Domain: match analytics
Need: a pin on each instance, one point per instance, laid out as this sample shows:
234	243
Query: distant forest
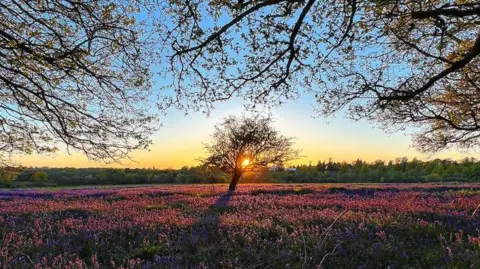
396	171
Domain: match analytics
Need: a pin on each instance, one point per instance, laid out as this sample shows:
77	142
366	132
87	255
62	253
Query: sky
179	142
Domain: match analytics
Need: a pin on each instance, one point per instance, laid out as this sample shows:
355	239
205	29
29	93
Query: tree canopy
243	143
78	72
396	62
73	72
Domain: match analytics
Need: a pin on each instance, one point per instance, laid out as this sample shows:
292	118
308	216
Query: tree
365	169
39	177
321	166
8	175
432	177
210	174
439	169
241	144
396	62
73	72
450	172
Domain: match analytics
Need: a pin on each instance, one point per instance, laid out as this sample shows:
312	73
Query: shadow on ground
213	213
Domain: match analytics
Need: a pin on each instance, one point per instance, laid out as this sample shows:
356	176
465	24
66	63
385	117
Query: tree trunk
235	178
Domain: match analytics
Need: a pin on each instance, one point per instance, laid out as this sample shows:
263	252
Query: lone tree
73	72
243	143
396	62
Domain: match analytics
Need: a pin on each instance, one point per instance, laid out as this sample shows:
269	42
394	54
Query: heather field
259	226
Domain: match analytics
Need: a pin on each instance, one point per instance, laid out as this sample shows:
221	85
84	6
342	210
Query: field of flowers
259	226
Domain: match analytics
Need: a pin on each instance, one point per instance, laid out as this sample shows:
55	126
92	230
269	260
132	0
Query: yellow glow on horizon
176	144
177	155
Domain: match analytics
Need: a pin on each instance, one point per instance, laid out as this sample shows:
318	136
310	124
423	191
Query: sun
245	162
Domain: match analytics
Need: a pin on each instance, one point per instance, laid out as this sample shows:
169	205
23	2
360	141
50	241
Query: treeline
112	176
396	171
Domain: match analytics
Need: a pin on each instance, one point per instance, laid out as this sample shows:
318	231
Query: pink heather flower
141	207
381	234
423	223
459	237
4	252
79	263
38	241
474	240
94	261
448	252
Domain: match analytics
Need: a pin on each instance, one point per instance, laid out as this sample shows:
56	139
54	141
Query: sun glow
245	162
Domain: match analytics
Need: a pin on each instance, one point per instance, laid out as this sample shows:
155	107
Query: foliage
7	176
263	226
399	170
39	177
74	73
242	144
396	63
432	177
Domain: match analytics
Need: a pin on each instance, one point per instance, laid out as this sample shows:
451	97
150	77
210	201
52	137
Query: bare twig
28	258
305	252
327	231
475	211
331	253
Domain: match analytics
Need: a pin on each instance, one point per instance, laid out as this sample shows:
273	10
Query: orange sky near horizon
186	155
179	142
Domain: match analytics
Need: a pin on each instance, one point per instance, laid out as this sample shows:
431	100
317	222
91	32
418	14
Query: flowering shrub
262	226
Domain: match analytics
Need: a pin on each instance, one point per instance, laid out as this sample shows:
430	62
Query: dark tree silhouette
397	62
244	143
73	72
